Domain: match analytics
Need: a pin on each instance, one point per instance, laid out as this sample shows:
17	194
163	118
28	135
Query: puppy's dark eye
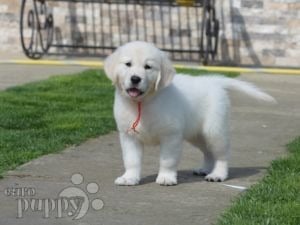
128	64
147	67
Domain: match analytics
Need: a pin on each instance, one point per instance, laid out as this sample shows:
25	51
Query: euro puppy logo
73	201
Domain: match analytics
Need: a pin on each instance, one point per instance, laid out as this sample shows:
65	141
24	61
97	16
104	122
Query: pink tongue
134	92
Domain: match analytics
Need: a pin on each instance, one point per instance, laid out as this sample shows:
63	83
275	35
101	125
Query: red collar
137	120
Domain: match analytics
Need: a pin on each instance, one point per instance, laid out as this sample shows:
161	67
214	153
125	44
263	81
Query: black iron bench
187	29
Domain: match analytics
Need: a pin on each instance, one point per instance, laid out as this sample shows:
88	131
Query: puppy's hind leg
216	134
218	145
208	162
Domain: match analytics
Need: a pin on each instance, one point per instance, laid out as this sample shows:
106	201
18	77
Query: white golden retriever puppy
155	106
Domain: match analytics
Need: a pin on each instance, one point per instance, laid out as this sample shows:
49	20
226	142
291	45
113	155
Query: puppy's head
139	69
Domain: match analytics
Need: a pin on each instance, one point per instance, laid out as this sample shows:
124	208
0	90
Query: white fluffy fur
174	109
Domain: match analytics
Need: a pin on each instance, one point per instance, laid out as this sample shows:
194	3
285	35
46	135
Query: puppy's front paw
166	179
127	180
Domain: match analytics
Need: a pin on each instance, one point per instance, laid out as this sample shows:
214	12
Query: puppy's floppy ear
166	74
110	64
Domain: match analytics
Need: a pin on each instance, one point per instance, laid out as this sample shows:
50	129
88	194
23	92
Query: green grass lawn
47	116
273	201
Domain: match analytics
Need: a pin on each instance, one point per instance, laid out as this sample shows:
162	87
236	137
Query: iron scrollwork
209	32
36	28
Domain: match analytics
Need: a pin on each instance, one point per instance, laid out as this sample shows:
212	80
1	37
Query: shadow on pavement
187	176
242	172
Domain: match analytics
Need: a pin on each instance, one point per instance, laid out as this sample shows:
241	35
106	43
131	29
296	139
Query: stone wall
9	26
253	32
260	32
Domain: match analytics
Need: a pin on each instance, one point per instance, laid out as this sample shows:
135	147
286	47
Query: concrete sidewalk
259	135
17	74
12	75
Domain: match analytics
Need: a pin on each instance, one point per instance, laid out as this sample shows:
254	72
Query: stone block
264	20
276	5
273	37
236	3
75	19
294	6
287	61
9	17
274	52
252	4
3	8
286	1
294	53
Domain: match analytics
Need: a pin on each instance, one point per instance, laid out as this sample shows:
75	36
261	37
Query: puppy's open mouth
134	92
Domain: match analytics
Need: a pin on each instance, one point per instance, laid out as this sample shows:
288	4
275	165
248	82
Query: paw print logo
78	202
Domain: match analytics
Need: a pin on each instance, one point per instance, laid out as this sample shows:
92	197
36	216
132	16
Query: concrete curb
99	64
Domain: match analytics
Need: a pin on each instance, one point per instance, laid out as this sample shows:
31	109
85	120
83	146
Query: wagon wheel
46	27
36	28
209	32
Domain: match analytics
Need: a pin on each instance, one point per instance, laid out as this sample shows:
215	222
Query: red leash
136	122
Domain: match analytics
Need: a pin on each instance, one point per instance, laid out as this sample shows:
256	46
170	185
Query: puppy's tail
248	89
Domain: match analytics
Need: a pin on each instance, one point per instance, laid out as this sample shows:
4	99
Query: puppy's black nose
135	79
